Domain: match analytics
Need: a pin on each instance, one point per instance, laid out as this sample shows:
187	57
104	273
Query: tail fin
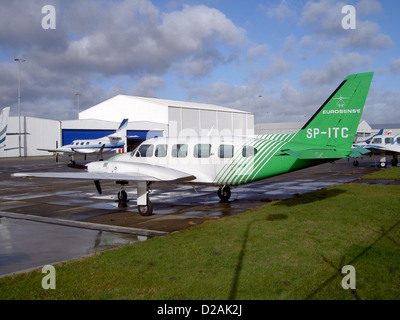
119	133
3	126
370	138
335	124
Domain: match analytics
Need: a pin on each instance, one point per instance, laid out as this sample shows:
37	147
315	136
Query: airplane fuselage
213	160
91	146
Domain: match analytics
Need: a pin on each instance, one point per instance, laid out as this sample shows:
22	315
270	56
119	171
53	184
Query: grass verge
392	173
292	249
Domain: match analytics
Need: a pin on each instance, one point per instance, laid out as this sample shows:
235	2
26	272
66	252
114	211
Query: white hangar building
148	118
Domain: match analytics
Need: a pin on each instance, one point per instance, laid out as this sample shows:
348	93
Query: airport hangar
148	118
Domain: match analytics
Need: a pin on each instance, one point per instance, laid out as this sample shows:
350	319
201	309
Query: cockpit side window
377	141
145	151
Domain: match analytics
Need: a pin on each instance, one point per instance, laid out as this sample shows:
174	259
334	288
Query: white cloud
281	11
257	51
107	40
147	86
325	19
336	69
395	65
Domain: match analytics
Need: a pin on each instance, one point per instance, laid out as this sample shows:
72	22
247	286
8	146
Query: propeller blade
98	187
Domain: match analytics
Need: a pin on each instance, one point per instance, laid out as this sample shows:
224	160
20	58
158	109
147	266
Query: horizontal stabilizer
358	152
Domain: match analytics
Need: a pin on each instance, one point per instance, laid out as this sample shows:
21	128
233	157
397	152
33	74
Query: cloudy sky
279	59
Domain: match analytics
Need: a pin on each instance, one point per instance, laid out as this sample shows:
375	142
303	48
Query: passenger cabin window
202	150
87	143
179	150
225	151
161	151
377	141
248	151
145	151
389	140
82	143
398	140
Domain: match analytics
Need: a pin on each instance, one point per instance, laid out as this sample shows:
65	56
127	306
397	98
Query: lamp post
77	101
19	60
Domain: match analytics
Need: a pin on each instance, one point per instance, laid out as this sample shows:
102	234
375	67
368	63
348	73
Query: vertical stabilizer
335	123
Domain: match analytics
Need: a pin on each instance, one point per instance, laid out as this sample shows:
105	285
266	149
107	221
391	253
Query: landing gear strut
122	195
145	207
224	193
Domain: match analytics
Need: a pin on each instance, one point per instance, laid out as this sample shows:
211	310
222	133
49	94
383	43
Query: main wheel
383	164
122	195
146	210
224	193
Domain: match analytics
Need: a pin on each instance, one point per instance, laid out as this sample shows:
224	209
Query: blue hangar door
134	137
69	135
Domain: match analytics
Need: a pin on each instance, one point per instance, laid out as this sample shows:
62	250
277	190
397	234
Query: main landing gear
145	207
224	193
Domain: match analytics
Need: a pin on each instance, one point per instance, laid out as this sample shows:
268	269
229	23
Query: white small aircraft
229	161
3	126
3	130
100	145
383	144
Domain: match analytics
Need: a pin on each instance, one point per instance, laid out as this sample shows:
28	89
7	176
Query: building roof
142	109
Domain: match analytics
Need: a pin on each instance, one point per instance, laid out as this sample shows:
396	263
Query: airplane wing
168	175
86	150
378	149
57	150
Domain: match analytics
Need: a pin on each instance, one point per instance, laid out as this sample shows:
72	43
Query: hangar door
136	137
69	135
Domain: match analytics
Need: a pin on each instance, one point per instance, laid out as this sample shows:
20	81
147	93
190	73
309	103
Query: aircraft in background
3	129
100	145
229	161
3	126
383	144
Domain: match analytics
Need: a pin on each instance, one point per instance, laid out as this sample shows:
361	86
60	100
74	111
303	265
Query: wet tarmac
45	221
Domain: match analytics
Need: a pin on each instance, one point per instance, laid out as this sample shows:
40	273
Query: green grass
392	173
291	249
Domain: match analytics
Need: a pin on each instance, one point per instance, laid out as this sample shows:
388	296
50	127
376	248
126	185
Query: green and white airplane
229	161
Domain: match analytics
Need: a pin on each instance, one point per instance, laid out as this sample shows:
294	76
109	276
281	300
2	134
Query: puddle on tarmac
28	244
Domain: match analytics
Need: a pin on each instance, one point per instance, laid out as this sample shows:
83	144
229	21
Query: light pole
77	101
19	101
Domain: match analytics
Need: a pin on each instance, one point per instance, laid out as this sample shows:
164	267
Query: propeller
98	187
